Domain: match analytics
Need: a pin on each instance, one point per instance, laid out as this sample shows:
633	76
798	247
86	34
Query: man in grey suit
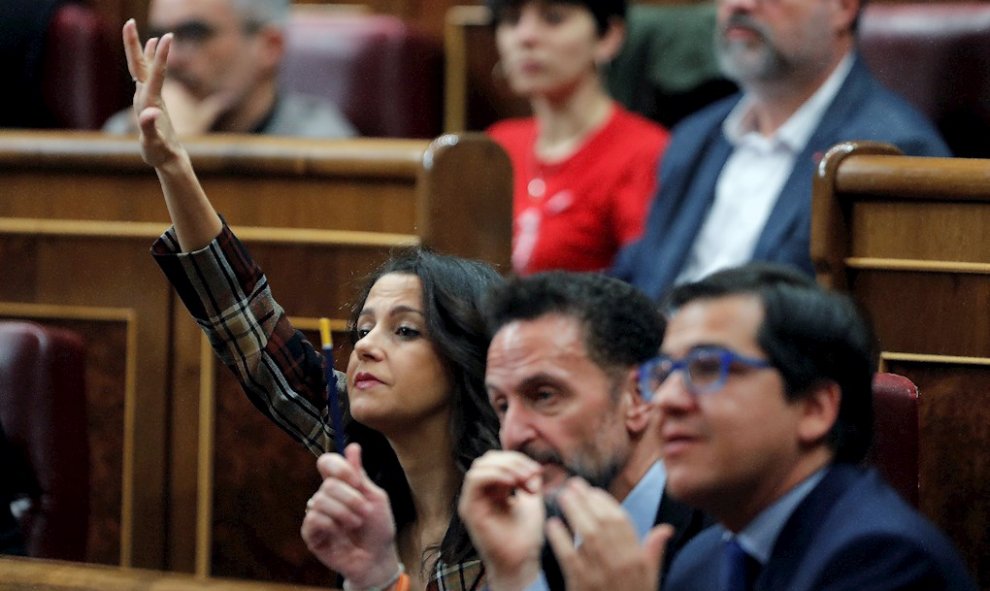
735	181
223	72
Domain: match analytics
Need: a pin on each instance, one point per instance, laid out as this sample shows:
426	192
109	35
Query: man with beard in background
735	184
223	73
562	377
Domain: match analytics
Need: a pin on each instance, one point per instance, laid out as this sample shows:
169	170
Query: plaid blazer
280	371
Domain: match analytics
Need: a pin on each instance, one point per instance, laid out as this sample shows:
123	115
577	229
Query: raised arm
222	287
196	222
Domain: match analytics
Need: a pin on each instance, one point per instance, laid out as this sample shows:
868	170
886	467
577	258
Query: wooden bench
907	236
187	474
27	573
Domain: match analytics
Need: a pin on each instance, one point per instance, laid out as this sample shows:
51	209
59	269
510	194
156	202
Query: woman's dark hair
453	292
810	335
603	10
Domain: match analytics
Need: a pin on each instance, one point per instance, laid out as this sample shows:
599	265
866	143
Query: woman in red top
585	168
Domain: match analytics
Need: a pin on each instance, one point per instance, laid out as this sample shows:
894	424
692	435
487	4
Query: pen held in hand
333	398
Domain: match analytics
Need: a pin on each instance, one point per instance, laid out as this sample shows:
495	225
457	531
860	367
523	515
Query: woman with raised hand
585	168
417	414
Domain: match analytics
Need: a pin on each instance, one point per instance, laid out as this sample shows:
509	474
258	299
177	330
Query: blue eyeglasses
706	369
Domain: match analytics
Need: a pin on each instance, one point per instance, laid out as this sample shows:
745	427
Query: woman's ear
610	42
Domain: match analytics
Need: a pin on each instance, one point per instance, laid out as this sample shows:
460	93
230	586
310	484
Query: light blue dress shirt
758	538
641	505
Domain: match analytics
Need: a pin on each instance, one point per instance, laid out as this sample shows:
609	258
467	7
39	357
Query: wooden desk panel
907	237
78	213
22	574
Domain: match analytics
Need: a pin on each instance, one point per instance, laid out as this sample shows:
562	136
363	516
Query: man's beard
600	476
744	62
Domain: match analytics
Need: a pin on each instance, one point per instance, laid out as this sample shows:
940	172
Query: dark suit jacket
687	523
851	533
862	110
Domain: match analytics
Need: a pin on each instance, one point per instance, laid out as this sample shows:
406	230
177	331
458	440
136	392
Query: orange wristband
403	583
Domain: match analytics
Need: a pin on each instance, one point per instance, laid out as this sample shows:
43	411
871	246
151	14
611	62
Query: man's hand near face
502	506
608	550
191	115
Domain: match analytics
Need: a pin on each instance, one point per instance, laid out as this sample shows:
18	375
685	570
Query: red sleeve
632	198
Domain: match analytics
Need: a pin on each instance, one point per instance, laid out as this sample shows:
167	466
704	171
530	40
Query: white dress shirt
752	178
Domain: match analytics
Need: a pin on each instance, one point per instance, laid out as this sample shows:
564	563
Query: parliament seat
895	433
906	237
81	84
43	415
61	66
384	75
937	56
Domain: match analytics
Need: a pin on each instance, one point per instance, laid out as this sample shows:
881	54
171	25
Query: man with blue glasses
764	389
705	369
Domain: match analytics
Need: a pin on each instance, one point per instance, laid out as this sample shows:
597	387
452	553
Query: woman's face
395	377
548	48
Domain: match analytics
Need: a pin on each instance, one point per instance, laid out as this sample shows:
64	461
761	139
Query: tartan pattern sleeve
464	576
229	297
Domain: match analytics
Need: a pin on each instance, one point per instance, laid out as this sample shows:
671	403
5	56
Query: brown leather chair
43	417
937	56
895	433
84	78
385	76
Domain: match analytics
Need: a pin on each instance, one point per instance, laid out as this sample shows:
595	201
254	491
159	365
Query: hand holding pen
334	411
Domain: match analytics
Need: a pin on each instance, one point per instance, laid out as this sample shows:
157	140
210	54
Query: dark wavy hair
603	10
622	327
810	335
453	291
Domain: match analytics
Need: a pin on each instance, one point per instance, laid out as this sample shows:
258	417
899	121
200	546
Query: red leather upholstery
937	56
895	433
384	76
82	77
43	414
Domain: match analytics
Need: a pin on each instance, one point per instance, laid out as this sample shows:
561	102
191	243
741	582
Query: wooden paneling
952	490
27	573
907	237
108	275
192	478
106	333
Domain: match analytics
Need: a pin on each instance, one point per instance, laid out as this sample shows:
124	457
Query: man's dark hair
810	335
622	327
603	10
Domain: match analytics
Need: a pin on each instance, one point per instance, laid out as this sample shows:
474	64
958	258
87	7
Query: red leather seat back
43	413
384	76
81	84
895	433
937	56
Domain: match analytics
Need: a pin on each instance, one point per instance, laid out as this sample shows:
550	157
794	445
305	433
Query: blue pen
333	399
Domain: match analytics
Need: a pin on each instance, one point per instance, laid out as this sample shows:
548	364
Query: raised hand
348	524
159	143
502	507
608	550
